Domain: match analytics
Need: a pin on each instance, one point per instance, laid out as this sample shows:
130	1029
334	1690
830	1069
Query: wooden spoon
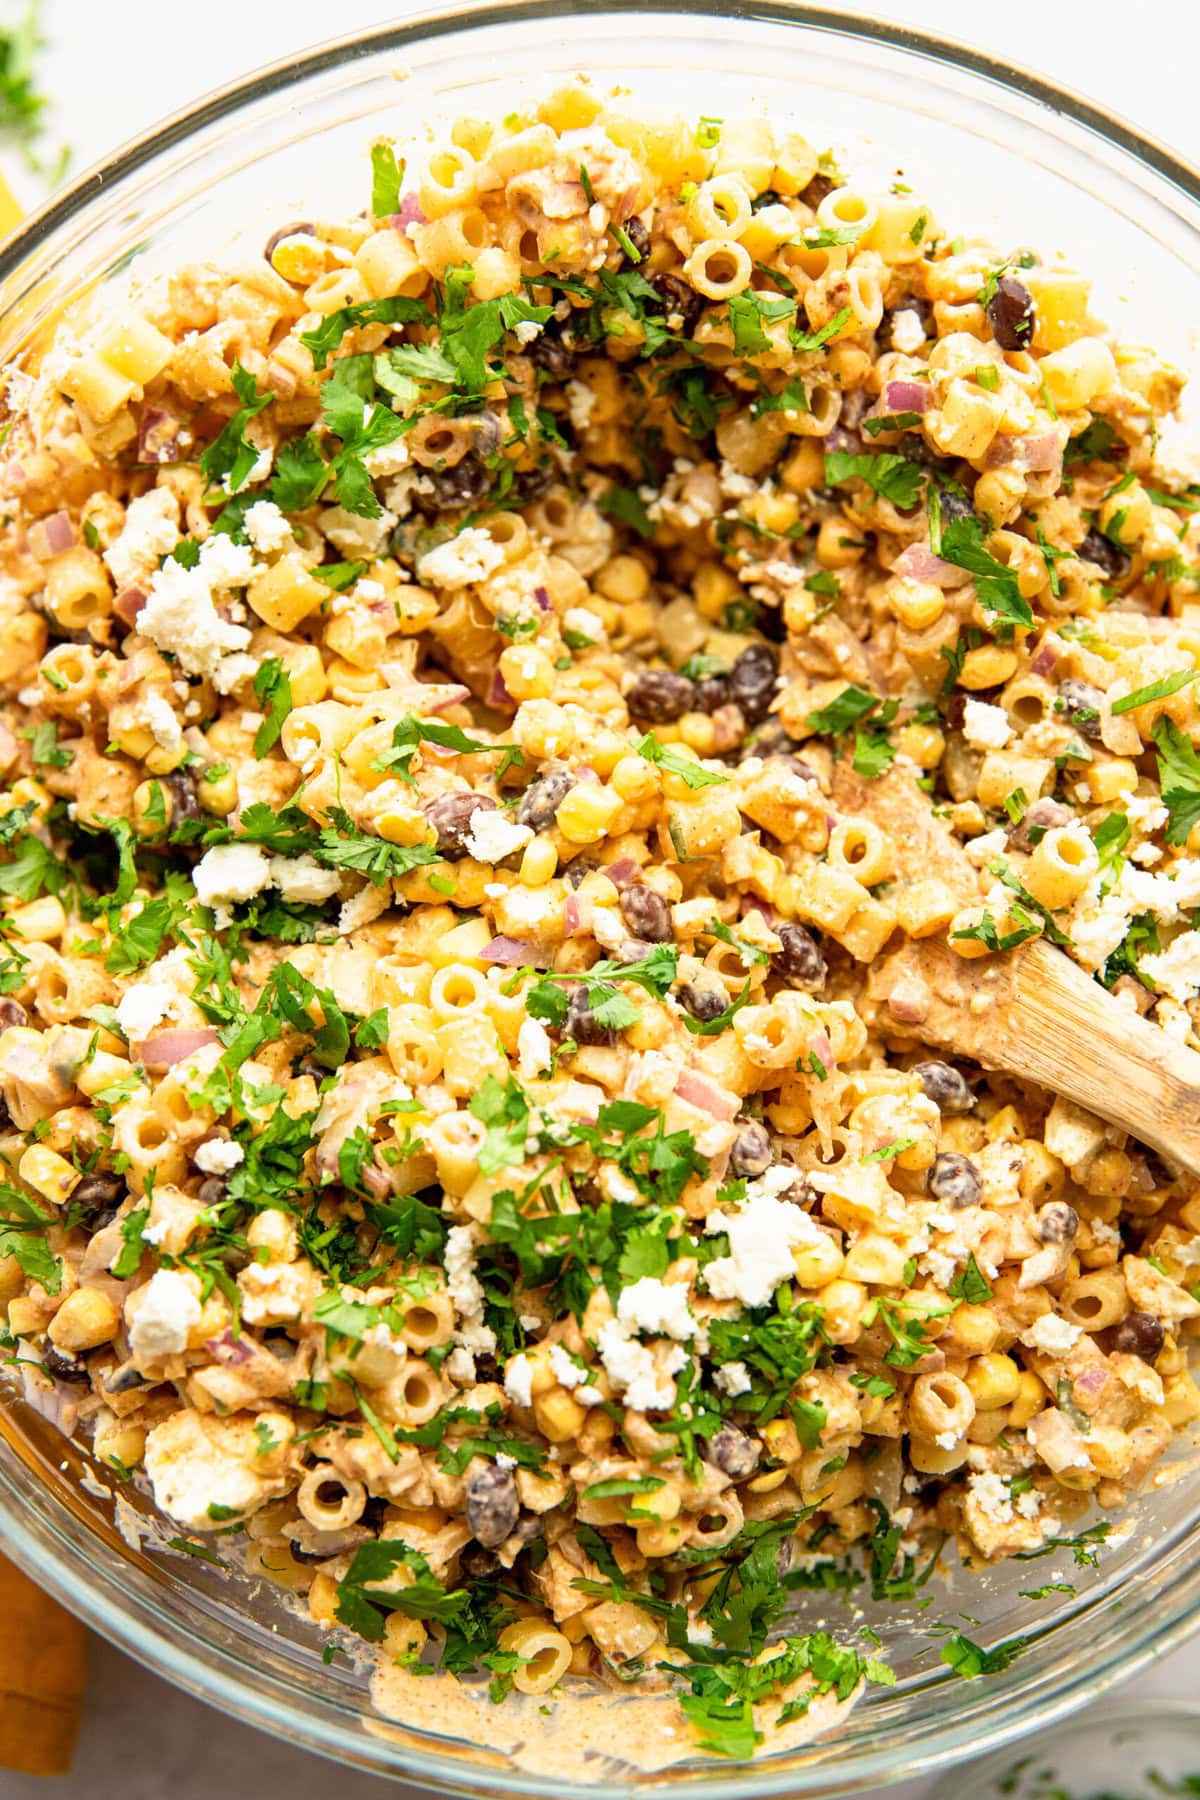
1030	1011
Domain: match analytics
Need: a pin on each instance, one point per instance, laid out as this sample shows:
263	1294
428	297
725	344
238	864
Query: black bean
542	799
887	325
451	816
213	1190
955	1179
711	692
1040	818
1057	1223
579	870
945	1086
1012	314
1139	1334
680	302
534	484
125	1379
639	237
477	1564
703	1003
1100	550
1082	703
955	506
817	189
64	1367
462	485
185	801
660	696
12	1013
581	1023
751	1153
554	349
303	229
769	740
647	914
734	1451
95	1193
492	1505
800	959
753	680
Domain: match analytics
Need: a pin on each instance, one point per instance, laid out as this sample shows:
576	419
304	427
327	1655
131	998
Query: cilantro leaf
885	472
272	689
970	1660
748	311
970	1284
387	178
1179	778
996	585
230	458
694	774
852	704
324	338
343	846
626	504
816	340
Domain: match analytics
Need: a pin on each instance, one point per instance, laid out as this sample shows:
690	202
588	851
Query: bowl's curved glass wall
995	156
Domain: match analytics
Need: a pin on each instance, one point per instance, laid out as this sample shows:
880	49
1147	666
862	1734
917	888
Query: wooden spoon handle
43	1670
1034	1013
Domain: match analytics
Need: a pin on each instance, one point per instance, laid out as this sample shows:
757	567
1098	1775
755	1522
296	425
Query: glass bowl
1141	1752
995	152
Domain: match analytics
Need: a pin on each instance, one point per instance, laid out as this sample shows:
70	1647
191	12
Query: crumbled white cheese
518	1380
1053	1335
492	837
657	1307
218	1156
268	528
150	530
180	616
762	1237
460	1366
535	1052
567	1371
908	333
169	1308
159	716
458	1260
991	1495
526	330
355	536
981	850
632	1367
389	459
985	727
732	1378
1029	1504
582	622
231	872
461	561
302	879
1175	971
581	403
143	1006
947	1440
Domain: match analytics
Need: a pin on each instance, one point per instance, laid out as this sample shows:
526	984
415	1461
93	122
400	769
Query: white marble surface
114	66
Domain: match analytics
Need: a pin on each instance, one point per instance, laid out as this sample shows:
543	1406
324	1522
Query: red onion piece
909	1000
1042	452
158	436
820	1047
918	563
230	1350
759	906
51	536
498	694
543	599
621	872
907	396
166	1048
704	1094
1091	1382
410	213
446	698
52	1399
377	1180
511	952
129	603
1045	660
577	916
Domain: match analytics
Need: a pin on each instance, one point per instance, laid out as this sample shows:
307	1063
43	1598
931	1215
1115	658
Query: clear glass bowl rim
55	1555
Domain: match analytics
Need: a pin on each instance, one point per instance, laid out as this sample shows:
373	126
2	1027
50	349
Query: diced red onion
932	1363
543	599
158	436
166	1048
704	1094
229	1350
626	205
909	1001
442	698
820	1047
498	694
51	536
410	213
377	1180
1042	452
621	872
577	916
512	952
907	396
1091	1381
53	1400
129	603
1046	660
759	906
918	563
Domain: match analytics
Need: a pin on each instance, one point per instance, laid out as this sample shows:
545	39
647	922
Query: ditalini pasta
453	1156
